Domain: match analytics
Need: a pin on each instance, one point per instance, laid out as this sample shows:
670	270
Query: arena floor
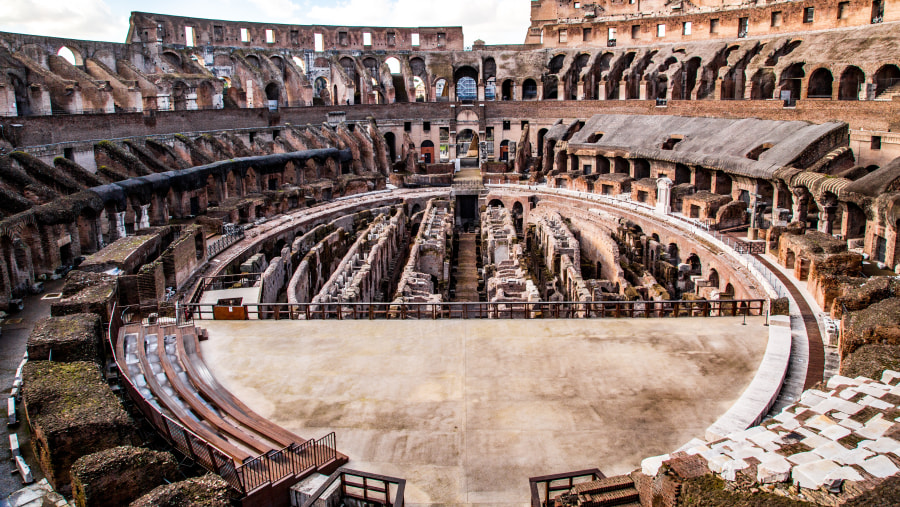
467	411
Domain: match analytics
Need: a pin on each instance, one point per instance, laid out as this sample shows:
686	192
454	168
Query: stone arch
791	79
694	261
71	55
466	79
685	83
391	141
853	81
20	90
556	63
421	92
820	84
529	89
173	59
762	85
641	168
713	278
442	90
506	90
205	93
273	92
253	60
496	203
540	141
885	77
393	65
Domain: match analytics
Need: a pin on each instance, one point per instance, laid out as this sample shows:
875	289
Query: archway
886	77
641	168
23	104
419	86
852	81
441	90
529	89
273	93
540	141
820	84
466	84
496	203
390	140
467	144
518	214
489	74
713	278
70	55
427	151
762	85
504	150
791	79
506	91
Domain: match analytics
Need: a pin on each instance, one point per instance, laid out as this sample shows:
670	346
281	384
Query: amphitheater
648	257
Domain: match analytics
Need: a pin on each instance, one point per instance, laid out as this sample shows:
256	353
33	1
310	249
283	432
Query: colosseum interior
647	257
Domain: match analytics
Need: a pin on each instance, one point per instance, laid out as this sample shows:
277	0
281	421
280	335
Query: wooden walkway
467	269
815	371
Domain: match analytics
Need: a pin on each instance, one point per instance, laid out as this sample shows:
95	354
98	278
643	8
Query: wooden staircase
618	490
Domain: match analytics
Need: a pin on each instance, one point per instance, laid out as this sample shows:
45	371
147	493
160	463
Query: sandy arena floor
467	411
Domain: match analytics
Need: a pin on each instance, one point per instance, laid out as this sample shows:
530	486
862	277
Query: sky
494	21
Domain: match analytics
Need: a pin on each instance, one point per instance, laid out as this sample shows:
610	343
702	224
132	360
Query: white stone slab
717	463
810	398
731	468
874	390
882	445
844	474
815	441
763	437
812	475
874	402
889	376
879	466
839	380
831	450
819	422
851	424
835	432
875	428
773	469
803	457
848	393
854	456
649	466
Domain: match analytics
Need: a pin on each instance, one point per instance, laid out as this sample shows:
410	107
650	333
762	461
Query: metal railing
544	486
217	246
271	467
371	489
488	310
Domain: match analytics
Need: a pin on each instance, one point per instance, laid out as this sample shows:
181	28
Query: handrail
270	467
371	494
549	488
486	310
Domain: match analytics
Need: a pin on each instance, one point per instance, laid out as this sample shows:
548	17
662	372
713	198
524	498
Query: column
623	89
145	217
561	90
580	94
664	196
120	225
800	204
601	90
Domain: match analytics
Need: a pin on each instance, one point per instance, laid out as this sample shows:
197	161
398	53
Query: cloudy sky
494	21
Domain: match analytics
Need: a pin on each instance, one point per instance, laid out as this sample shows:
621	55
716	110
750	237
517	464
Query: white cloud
83	19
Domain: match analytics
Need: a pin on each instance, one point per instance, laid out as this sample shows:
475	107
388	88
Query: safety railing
273	466
544	487
485	310
370	489
217	246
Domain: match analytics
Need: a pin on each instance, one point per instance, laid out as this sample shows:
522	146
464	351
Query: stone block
717	463
830	450
881	445
840	380
209	490
731	468
119	475
874	402
773	469
813	474
835	432
880	466
72	412
875	427
802	458
76	337
890	377
649	466
854	456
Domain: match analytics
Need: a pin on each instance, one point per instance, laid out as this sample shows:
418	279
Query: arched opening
253	60
321	96
173	60
853	80
495	203
179	96
466	84
70	55
762	85
621	166
23	104
390	140
467	144
205	93
441	90
886	77
506	91
687	79
728	293
489	74
602	165
791	79
272	92
400	94
299	63
504	150
641	168
694	261
540	141
518	212
393	65
673	253
427	151
421	93
820	84
529	89
682	174
713	279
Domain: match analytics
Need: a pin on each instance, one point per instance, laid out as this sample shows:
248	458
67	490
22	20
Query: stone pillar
540	90
145	217
664	196
120	225
644	89
163	102
826	224
717	91
481	90
800	204
561	90
580	94
623	89
601	90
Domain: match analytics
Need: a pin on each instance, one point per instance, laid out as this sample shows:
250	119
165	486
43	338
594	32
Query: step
609	498
602	485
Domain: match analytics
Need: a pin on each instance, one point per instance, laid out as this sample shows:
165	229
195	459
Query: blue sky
494	21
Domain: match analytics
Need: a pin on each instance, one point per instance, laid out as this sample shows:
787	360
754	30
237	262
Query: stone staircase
618	490
889	92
